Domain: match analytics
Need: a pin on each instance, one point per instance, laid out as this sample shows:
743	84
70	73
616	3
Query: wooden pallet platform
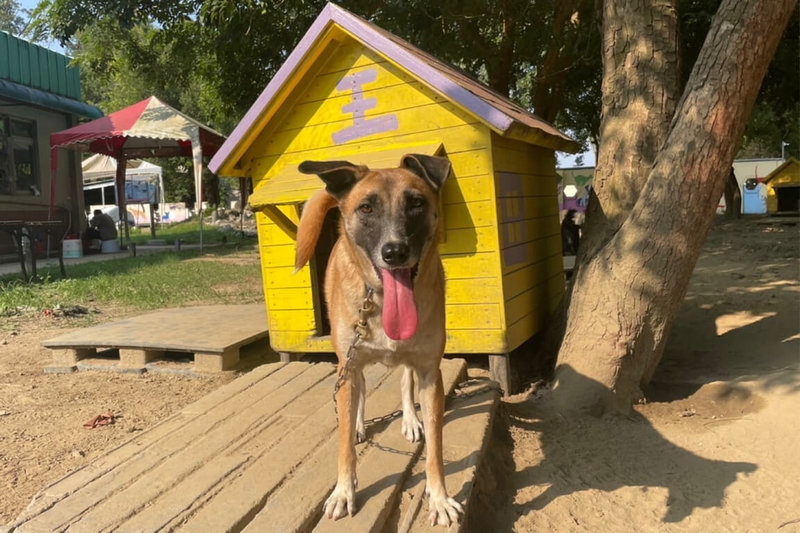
259	454
211	334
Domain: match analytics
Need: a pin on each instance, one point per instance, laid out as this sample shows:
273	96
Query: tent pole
197	164
122	163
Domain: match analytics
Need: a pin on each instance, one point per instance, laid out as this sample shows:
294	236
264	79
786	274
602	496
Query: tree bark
733	197
640	90
634	274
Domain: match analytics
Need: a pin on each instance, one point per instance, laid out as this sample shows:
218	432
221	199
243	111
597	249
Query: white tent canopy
100	167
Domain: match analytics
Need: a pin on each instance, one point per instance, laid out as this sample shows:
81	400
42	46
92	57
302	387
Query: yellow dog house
783	188
352	91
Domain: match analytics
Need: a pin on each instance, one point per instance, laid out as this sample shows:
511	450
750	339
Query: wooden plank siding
529	233
303	128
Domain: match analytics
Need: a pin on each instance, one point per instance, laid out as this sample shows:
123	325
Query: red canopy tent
149	128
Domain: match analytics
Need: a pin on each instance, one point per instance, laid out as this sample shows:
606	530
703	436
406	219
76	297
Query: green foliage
11	20
144	282
188	232
212	58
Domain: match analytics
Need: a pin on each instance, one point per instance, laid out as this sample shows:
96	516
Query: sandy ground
716	446
42	437
714	449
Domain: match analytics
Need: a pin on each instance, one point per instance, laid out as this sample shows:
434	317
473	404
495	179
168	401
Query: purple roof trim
496	110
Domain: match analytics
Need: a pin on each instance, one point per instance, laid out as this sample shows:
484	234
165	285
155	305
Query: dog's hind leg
361	431
443	509
342	500
412	427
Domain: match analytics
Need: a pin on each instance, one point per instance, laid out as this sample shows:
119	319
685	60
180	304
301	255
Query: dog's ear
434	170
339	176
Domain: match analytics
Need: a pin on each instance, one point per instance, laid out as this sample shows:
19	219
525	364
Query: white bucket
110	246
73	248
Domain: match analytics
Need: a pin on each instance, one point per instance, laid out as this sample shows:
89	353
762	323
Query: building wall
530	236
68	198
320	121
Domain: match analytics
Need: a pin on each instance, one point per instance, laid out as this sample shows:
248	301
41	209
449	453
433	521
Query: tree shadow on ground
585	453
740	319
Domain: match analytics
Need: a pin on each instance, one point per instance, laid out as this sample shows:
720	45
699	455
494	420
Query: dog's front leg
342	499
443	509
361	430
412	427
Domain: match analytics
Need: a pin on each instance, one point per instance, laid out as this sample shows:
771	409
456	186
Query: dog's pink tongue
399	309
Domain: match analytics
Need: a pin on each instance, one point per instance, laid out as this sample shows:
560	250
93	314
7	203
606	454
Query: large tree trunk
640	91
634	271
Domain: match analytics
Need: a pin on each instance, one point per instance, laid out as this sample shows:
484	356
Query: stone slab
204	329
298	505
467	431
258	454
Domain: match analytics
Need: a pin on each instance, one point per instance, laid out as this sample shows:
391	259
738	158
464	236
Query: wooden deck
211	334
259	454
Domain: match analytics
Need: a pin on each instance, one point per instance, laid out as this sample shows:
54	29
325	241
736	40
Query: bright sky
30	5
565	160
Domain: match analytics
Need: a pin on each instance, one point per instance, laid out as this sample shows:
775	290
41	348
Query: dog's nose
394	253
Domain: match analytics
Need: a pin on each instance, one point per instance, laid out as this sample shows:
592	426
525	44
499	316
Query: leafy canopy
211	58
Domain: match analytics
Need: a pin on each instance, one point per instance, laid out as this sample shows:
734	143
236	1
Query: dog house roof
779	171
496	111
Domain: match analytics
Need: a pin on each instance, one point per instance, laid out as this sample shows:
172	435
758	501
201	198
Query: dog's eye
416	202
365	209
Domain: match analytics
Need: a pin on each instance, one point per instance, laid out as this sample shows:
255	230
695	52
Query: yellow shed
352	91
783	188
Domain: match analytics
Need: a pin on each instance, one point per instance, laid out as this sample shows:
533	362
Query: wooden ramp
211	334
259	454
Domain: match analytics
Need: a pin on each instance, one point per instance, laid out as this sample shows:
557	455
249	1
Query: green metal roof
45	73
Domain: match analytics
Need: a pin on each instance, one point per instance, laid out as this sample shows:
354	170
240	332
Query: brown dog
388	242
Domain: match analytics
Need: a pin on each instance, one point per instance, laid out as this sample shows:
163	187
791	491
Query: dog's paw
412	428
361	433
341	502
444	511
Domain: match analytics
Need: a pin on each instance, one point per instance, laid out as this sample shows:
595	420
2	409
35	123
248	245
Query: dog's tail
311	225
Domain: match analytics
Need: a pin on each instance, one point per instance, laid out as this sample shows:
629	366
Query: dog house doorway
319	265
788	199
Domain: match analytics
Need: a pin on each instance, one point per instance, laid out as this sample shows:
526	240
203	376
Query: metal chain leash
455	395
361	330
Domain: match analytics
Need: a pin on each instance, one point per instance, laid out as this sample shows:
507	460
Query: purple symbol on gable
362	126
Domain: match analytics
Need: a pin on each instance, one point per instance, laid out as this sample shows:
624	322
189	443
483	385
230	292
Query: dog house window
19	174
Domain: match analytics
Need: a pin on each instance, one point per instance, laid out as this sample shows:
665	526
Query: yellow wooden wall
530	237
788	177
302	129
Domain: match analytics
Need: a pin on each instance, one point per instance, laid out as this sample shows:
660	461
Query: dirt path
41	415
716	447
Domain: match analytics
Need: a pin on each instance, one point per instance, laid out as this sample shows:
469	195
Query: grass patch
188	232
144	282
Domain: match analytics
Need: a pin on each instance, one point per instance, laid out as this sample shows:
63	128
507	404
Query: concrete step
259	454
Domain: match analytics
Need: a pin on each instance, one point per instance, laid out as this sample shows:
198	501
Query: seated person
570	234
102	227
